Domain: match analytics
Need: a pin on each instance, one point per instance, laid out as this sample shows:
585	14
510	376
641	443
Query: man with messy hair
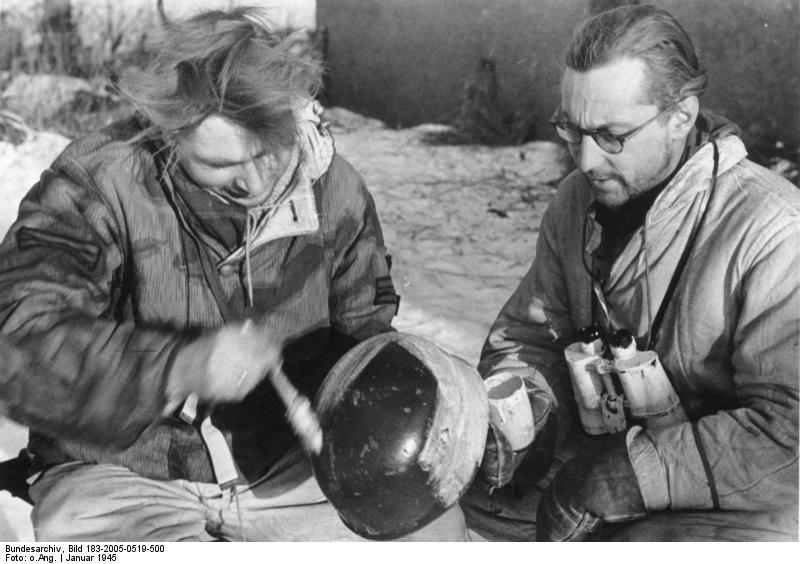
163	266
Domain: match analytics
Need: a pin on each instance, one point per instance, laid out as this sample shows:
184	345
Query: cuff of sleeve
189	359
650	473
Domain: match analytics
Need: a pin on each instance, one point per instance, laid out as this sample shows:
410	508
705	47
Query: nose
587	154
250	179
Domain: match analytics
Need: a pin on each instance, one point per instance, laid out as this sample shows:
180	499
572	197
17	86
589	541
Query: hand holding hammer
238	358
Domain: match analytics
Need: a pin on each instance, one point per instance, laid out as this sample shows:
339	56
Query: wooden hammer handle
298	412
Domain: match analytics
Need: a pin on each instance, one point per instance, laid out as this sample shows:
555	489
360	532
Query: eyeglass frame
594	133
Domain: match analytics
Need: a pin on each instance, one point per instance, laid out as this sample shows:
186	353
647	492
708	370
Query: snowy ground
460	222
20	166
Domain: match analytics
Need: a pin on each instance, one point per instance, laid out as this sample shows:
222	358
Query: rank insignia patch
385	293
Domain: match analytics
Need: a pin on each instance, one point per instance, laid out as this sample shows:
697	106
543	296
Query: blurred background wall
412	61
60	59
409	61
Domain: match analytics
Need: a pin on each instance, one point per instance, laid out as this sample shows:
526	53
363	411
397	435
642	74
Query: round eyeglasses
611	143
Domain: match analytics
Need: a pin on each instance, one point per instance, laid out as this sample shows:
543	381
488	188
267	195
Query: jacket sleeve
534	325
363	300
746	458
62	269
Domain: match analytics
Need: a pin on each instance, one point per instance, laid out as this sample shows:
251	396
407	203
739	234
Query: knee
450	526
52	520
60	498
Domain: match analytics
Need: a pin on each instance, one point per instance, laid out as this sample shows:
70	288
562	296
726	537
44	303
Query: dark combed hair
229	63
646	33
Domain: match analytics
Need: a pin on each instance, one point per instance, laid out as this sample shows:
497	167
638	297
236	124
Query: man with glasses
665	230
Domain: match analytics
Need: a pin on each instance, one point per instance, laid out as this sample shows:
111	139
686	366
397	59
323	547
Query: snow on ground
20	168
459	221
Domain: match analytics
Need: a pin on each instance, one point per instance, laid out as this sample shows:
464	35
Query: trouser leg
695	526
98	502
509	513
104	502
288	505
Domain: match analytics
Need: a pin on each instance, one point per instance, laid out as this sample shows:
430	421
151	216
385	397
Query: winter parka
730	336
105	271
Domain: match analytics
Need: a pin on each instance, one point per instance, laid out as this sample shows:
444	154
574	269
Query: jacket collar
691	179
293	211
695	175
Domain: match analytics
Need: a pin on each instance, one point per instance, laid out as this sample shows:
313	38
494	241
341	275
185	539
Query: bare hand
225	366
240	358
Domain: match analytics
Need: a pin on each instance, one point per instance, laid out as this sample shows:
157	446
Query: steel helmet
404	427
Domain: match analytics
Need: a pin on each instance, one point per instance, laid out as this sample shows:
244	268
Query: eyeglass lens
571	134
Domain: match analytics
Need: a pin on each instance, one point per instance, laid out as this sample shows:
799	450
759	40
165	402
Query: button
227	270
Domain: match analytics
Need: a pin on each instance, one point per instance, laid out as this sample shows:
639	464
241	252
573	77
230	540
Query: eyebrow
222	163
604	127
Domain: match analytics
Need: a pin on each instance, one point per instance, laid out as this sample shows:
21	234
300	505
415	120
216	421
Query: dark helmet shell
404	427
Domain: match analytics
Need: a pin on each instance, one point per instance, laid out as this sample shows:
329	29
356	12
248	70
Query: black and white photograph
418	271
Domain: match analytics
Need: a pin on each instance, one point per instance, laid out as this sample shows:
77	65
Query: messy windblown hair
228	63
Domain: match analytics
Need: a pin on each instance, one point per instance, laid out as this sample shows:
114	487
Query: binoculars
616	385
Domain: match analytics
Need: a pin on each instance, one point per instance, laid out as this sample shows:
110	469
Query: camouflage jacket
106	273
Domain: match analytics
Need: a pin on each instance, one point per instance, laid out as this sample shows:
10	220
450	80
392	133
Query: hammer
299	413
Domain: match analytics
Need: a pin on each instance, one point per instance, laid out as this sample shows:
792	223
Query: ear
683	119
